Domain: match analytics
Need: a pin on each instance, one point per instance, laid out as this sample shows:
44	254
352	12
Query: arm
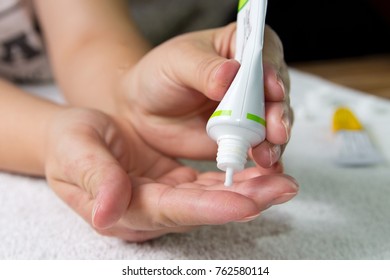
23	125
92	43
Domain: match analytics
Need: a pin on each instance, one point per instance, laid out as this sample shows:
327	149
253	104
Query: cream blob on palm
238	123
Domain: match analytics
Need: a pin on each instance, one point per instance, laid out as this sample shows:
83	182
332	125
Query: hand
101	168
171	93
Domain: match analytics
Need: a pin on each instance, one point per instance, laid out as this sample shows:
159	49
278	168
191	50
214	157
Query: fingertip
112	201
102	218
223	77
269	190
96	216
199	207
267	154
278	116
290	190
274	86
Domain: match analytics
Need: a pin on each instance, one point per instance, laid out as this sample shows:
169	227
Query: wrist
48	127
91	75
23	126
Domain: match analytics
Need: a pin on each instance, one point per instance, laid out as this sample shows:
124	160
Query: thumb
99	175
214	77
93	181
97	171
83	168
113	195
202	68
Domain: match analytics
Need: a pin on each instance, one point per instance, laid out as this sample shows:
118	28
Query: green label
249	116
255	118
241	4
221	113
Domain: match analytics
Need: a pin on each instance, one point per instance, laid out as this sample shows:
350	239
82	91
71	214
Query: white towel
340	213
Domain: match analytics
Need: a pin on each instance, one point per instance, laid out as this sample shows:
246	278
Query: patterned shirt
22	53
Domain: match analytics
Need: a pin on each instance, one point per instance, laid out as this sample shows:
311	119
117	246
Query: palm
178	199
137	193
169	197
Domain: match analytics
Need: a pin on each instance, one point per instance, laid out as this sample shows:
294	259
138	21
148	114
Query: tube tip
229	176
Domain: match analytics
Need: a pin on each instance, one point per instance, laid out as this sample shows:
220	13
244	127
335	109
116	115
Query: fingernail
94	211
283	198
274	154
249	218
286	123
281	84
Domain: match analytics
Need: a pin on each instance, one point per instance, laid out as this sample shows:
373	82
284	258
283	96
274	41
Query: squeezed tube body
238	123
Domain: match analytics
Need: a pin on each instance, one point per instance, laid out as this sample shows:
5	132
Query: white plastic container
238	123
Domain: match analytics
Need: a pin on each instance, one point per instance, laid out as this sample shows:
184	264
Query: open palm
125	188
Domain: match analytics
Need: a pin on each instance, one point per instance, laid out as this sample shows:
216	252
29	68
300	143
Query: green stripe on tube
255	118
221	113
241	4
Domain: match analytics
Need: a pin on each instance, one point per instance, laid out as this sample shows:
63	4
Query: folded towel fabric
340	213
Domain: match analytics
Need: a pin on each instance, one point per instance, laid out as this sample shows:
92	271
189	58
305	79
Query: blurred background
344	41
329	29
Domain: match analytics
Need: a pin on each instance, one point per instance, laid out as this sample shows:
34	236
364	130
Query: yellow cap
344	119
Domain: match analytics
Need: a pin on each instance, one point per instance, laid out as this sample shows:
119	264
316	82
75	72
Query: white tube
238	123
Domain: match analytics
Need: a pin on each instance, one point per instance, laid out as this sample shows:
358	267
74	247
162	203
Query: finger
101	190
213	75
278	116
92	169
279	123
264	190
124	233
273	58
82	203
267	155
157	206
76	198
274	89
268	190
113	196
203	68
205	207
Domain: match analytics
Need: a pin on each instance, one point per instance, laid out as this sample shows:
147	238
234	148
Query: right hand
172	91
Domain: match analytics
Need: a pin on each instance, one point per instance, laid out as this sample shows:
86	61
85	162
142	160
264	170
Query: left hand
101	168
171	93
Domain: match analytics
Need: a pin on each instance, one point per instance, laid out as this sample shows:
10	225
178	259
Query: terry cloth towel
339	213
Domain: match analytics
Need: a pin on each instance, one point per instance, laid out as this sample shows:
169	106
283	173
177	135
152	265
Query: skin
189	99
189	72
160	196
100	154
